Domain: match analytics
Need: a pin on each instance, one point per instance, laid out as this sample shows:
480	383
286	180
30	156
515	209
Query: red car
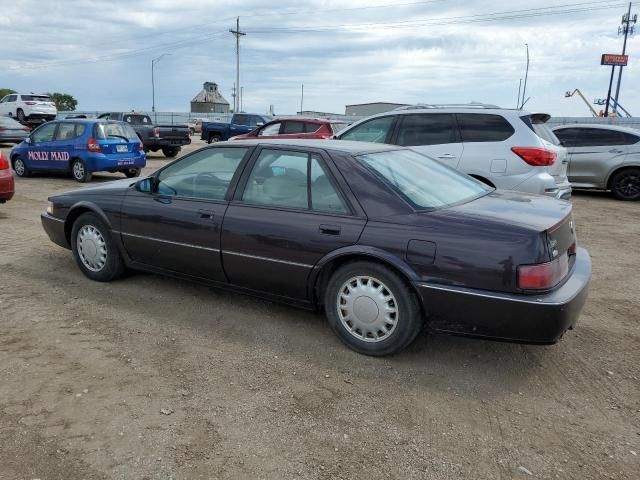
7	185
316	128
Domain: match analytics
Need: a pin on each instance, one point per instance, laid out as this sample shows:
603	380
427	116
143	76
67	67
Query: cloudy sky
345	52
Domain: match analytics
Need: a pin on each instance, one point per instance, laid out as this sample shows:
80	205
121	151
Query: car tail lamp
140	147
543	276
538	157
2	129
4	163
156	132
93	146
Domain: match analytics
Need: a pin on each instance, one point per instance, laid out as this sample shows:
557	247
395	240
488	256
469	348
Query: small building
209	100
314	114
366	109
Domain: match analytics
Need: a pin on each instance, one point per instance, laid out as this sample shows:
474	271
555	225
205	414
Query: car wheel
94	250
372	309
132	172
170	152
20	115
79	171
20	168
214	138
192	131
625	185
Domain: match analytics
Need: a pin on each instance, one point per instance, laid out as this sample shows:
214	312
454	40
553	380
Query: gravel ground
155	378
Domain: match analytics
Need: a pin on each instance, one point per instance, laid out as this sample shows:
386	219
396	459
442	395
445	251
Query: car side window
66	131
293	128
44	133
293	180
427	129
12	98
270	130
255	120
567	136
311	127
206	174
483	127
376	130
241	119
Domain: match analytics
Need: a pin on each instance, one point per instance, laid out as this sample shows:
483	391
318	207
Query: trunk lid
538	123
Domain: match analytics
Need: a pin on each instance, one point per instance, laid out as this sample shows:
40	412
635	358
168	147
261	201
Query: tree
5	91
64	102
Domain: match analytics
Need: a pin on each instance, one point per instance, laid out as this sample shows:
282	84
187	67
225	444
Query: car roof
600	126
345	146
307	119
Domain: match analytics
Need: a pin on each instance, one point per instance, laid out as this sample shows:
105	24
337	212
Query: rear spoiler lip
545	117
560	223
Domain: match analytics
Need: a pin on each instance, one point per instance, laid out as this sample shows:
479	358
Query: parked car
240	123
168	138
12	131
507	149
317	128
80	147
7	184
28	107
195	125
381	237
603	157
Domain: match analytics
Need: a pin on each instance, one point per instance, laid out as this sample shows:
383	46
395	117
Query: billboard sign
613	59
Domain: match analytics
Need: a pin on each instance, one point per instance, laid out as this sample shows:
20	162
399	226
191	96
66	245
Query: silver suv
507	149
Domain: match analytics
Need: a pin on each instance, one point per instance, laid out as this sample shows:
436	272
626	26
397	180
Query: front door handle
446	155
330	229
615	150
206	214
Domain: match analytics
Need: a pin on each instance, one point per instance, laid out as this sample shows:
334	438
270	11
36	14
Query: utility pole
526	75
237	33
153	83
242	99
301	98
519	89
626	28
606	108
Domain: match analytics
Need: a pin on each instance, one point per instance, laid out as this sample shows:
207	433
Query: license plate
122	148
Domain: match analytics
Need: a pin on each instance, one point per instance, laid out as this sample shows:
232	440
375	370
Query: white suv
507	149
28	107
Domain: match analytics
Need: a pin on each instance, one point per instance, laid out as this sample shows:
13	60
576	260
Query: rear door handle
446	155
206	214
330	229
615	150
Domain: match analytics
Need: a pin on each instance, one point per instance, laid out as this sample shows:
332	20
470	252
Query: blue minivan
80	147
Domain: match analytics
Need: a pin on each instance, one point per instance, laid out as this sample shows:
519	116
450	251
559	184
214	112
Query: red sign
613	59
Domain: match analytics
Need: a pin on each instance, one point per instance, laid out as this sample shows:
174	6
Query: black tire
170	152
79	171
132	172
408	316
214	137
192	131
21	171
625	184
20	115
112	266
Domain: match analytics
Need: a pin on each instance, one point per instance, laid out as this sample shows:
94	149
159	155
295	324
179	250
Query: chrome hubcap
18	166
78	170
367	309
92	248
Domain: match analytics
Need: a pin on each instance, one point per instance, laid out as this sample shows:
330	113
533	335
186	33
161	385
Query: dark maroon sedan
383	238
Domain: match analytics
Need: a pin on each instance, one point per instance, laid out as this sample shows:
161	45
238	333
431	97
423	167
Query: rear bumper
55	229
540	319
7	185
103	162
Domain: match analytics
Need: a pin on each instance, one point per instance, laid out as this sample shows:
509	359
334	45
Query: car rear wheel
170	152
94	250
214	138
20	168
20	115
192	131
79	171
132	172
372	309
625	185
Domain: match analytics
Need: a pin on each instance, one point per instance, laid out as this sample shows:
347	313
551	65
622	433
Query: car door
288	212
175	225
41	147
593	153
271	130
433	134
63	144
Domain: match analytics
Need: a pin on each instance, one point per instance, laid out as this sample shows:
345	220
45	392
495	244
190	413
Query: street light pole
153	84
526	75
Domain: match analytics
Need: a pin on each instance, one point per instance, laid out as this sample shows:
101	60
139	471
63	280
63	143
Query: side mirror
145	185
27	140
259	124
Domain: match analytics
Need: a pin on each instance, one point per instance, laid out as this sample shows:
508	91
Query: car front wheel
214	138
625	185
93	249
372	309
20	168
79	171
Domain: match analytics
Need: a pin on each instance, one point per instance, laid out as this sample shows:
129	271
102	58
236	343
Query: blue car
80	147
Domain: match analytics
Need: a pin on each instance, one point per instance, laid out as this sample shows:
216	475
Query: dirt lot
155	378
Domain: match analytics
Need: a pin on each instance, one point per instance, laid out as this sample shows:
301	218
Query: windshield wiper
119	136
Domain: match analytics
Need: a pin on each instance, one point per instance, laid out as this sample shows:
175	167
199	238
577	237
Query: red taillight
156	132
140	147
93	146
544	275
538	157
2	129
4	163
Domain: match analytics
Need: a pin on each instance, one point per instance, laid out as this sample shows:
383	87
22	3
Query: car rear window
106	130
137	119
35	98
541	129
483	127
423	182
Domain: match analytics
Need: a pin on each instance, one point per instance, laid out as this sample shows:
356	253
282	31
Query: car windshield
422	181
7	122
35	98
106	130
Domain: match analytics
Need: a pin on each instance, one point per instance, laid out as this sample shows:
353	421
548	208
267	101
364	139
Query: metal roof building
366	109
209	100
